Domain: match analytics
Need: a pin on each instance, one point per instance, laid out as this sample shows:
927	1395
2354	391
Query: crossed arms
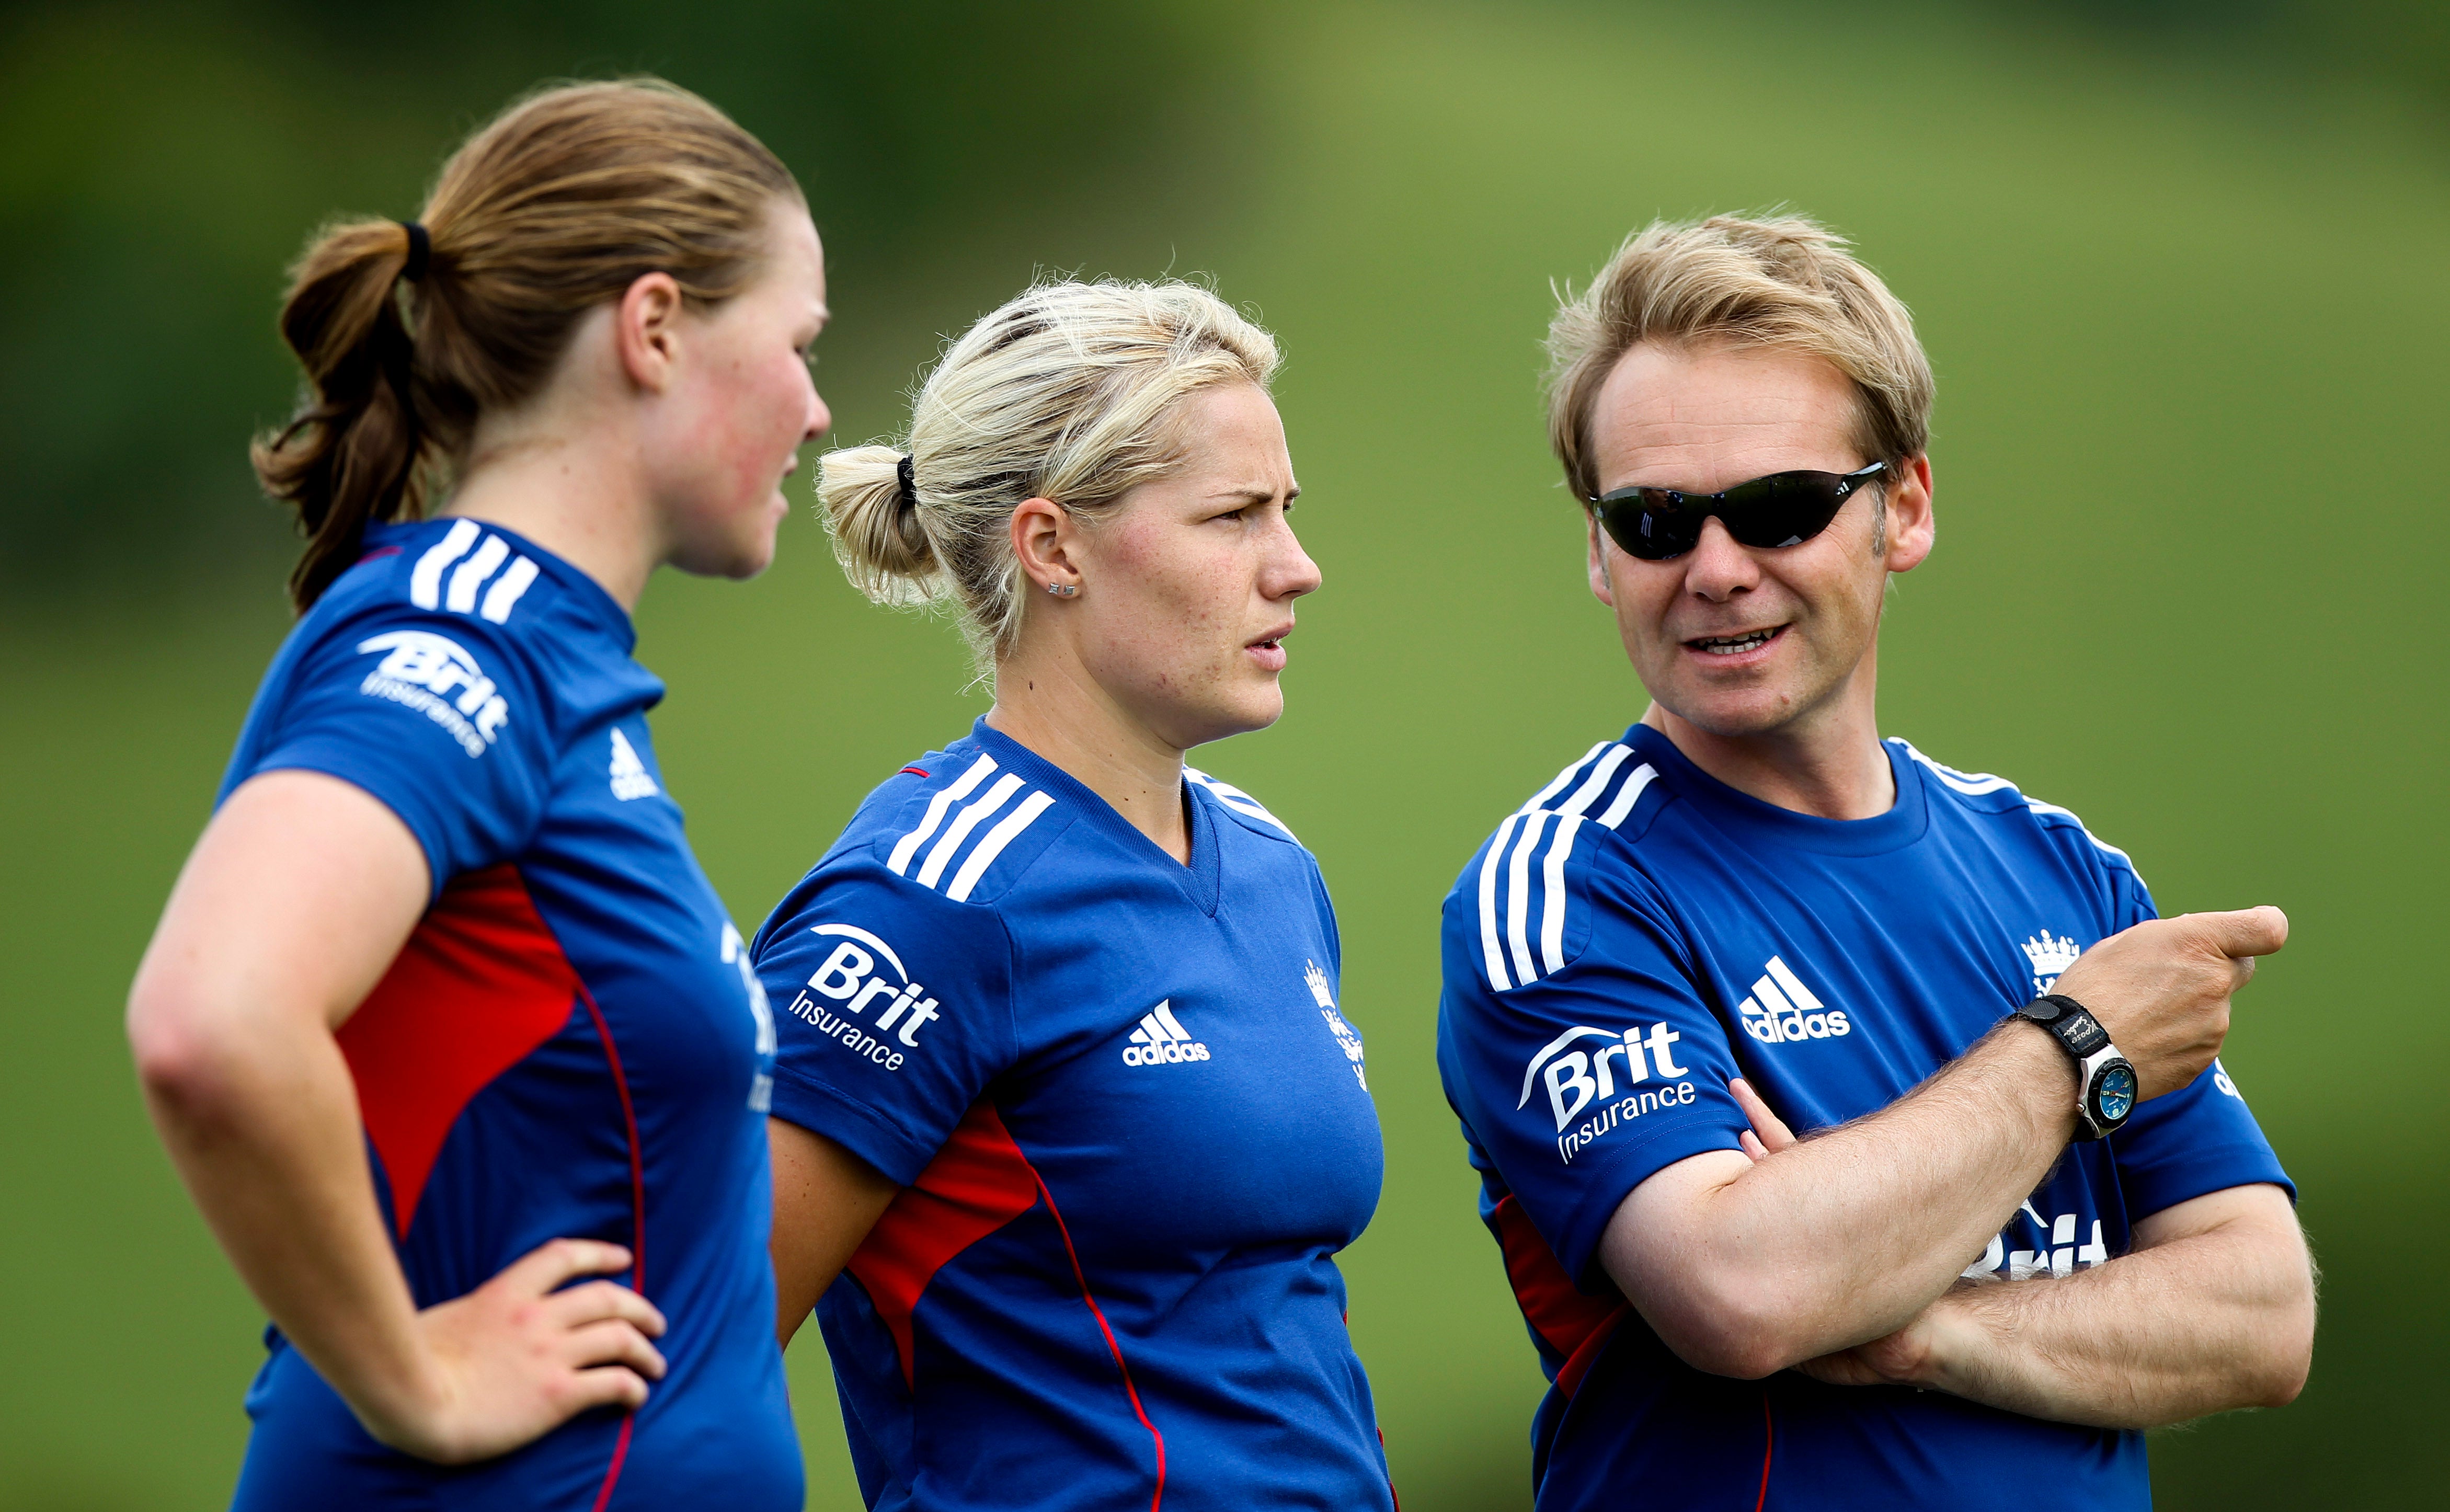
1841	1256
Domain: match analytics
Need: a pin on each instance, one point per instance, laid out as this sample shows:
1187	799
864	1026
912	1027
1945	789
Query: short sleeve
1580	1084
443	718
893	1009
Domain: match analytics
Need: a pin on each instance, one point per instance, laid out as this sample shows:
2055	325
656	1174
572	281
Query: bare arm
292	906
1746	1266
825	1201
2213	1310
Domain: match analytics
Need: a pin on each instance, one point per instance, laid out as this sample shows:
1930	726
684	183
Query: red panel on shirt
480	984
978	1183
1570	1320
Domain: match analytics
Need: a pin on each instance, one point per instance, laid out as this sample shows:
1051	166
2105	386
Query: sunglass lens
1653	532
1784	509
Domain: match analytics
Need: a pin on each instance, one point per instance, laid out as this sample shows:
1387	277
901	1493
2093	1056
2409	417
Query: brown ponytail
562	202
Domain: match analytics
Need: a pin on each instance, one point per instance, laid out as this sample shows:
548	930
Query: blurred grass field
2188	313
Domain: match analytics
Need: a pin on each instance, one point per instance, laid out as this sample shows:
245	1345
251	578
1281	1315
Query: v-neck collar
1200	878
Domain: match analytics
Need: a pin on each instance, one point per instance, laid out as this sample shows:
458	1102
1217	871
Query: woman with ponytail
1068	1126
442	1025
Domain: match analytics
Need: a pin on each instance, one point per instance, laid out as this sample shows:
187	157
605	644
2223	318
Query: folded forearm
2206	1323
1848	1235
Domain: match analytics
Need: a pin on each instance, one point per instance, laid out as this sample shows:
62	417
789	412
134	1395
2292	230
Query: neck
574	491
1051	707
1827	762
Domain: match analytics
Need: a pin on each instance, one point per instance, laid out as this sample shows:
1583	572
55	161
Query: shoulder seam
1978	785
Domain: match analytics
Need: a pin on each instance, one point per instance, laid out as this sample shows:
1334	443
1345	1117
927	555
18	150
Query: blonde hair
1787	283
561	203
1070	392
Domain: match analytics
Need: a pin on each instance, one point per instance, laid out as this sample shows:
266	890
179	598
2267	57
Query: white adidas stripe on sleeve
899	864
996	797
471	574
504	595
425	579
1973	785
996	839
1238	800
1490	955
1522	884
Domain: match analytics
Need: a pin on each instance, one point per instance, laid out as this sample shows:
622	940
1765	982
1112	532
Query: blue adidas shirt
1133	1128
1637	935
572	1043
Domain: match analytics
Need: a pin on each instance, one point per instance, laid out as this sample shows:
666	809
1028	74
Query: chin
1755	711
1238	716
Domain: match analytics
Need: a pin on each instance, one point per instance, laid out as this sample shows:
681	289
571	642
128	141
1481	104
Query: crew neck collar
1742	815
1199	879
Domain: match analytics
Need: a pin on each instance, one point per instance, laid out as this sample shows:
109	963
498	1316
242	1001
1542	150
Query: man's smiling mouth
1736	645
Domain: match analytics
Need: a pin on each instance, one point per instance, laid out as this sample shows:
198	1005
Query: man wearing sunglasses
2030	1215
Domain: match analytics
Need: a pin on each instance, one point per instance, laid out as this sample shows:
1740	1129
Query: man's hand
2161	989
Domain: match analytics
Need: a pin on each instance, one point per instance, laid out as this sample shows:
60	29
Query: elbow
185	1070
1728	1334
2290	1357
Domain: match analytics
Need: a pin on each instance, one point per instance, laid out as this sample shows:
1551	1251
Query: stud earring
1064	590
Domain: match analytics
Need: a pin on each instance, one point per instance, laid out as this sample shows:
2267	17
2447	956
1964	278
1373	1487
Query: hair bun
871	509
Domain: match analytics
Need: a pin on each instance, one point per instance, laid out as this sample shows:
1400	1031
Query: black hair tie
909	489
420	251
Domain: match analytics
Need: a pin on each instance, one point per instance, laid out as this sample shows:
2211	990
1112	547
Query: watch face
2114	1094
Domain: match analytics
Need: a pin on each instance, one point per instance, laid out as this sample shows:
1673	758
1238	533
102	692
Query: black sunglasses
1784	509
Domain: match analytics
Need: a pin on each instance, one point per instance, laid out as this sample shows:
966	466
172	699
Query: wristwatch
2106	1083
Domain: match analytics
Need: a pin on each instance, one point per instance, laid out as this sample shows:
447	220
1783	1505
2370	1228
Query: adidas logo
630	776
1782	1010
1161	1040
2050	956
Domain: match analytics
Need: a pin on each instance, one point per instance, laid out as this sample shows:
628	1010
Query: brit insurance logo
2049	956
862	973
2060	1247
435	675
1347	1037
1782	1010
1161	1040
1580	1068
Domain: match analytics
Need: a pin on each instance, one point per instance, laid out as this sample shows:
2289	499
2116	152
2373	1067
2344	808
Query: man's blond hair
1787	285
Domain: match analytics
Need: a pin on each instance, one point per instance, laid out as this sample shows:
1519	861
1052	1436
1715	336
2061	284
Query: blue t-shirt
572	1043
1132	1129
1639	934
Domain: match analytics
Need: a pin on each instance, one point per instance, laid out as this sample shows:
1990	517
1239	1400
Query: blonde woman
1069	1126
442	1019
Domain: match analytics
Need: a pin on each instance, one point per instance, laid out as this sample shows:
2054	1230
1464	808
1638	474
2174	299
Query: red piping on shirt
1769	1431
915	771
1112	1346
637	1222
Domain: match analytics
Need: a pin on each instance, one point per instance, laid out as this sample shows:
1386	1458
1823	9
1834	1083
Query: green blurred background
2180	267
